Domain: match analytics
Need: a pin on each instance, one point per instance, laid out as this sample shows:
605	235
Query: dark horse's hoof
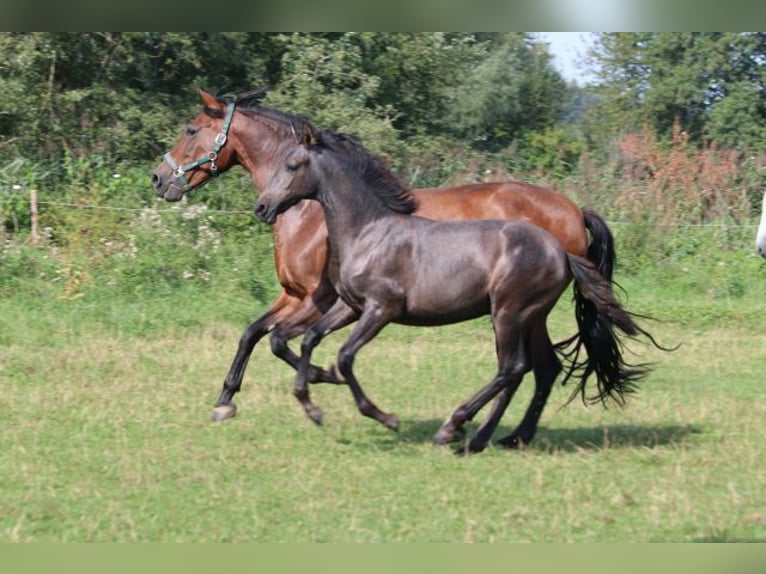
512	441
443	436
315	414
223	412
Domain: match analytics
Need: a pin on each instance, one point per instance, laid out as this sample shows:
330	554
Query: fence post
33	212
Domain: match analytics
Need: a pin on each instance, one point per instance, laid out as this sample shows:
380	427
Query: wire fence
180	210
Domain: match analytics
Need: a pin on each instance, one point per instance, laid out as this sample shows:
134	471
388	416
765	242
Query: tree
712	83
514	90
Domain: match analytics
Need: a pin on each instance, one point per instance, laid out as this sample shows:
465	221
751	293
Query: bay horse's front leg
224	406
338	316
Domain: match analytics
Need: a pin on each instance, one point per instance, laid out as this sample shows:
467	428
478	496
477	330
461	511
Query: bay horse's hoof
223	412
391	422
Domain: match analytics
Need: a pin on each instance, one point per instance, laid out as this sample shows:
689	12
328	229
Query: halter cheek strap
179	171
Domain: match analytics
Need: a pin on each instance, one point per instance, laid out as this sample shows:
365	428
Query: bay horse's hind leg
308	313
224	407
546	366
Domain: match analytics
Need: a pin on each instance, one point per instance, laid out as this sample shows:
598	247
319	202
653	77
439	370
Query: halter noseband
211	156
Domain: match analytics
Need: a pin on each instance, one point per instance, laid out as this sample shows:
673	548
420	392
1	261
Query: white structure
760	239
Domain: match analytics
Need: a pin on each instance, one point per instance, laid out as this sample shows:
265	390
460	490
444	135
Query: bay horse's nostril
156	181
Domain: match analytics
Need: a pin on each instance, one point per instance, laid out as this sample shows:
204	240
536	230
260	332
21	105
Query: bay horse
760	238
239	131
389	265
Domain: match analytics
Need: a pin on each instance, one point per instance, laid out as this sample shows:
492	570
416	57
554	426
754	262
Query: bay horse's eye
191	130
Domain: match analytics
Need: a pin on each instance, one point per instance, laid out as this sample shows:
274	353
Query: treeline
436	103
672	133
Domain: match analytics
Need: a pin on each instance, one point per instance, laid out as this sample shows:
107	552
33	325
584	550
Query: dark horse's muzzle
266	213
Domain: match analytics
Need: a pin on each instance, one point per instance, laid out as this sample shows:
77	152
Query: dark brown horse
239	131
388	266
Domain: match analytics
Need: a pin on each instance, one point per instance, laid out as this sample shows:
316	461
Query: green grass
106	435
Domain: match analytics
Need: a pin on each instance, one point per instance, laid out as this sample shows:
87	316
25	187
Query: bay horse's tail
598	314
601	246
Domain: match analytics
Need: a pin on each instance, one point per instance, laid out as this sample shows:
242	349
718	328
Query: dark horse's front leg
373	319
336	318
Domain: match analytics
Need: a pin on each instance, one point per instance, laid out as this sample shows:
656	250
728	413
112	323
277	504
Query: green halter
211	156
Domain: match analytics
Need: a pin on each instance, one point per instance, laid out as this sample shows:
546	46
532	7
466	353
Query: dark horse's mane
373	170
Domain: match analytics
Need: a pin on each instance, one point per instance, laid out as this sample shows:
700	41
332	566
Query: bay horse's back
510	200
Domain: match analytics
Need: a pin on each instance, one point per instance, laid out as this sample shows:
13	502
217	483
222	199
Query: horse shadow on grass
553	440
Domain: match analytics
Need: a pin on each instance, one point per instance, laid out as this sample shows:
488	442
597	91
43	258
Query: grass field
106	435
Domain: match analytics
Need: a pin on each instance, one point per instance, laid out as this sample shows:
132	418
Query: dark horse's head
293	181
201	152
325	160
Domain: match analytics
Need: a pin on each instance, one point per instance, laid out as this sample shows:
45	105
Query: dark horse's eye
191	130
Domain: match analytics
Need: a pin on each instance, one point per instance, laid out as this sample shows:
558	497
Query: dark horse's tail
598	314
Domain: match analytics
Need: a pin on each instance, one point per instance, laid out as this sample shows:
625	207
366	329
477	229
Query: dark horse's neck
356	190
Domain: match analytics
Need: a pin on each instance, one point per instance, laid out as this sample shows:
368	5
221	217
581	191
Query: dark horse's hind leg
512	365
480	440
546	367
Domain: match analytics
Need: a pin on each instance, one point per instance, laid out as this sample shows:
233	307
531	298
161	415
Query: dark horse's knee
312	338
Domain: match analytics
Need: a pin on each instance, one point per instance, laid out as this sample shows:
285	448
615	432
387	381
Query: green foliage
712	83
514	90
555	151
323	79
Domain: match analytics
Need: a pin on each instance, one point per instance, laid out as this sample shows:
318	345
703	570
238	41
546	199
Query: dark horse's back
465	269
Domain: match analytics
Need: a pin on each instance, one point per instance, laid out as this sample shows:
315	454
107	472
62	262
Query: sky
568	50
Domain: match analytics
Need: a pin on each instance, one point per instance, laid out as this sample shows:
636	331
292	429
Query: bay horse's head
200	153
293	180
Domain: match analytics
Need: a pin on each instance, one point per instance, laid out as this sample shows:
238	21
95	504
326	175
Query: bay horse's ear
310	136
209	100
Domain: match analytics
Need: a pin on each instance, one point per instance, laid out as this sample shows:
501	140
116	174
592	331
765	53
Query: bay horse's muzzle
166	187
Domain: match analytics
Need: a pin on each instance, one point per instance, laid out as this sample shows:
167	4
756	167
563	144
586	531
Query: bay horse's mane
373	170
248	102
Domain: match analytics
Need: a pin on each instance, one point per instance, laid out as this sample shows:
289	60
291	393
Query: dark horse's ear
310	136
